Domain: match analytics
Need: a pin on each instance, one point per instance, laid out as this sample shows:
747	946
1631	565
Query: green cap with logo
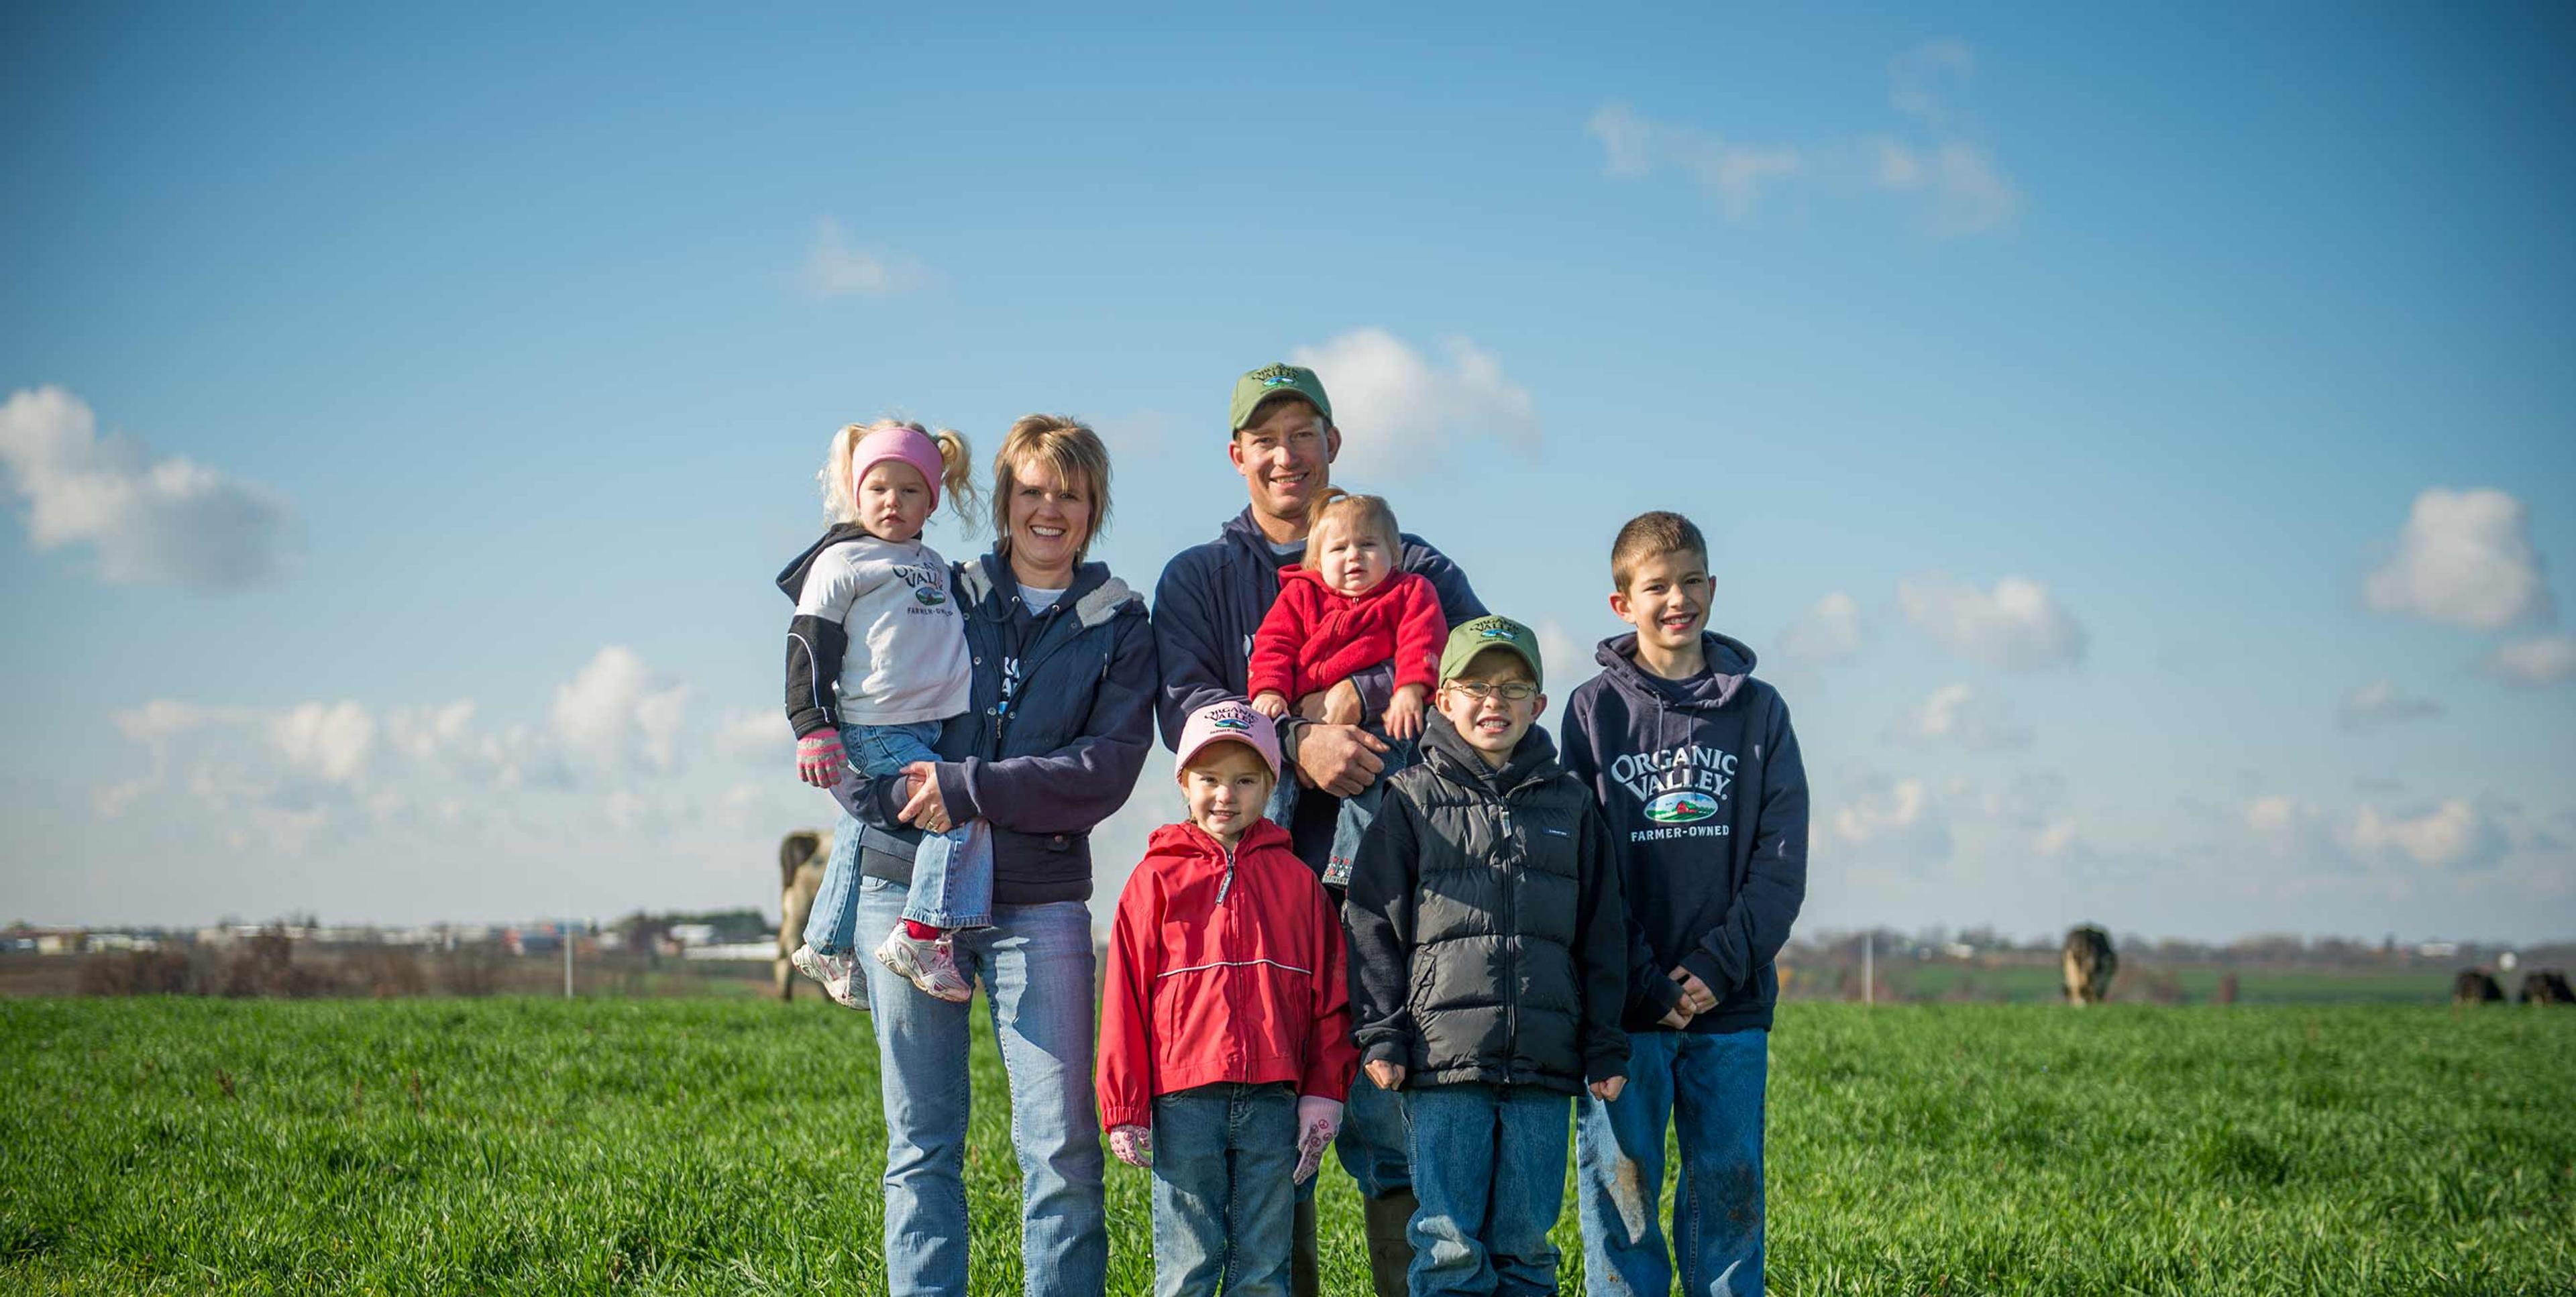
1484	633
1277	380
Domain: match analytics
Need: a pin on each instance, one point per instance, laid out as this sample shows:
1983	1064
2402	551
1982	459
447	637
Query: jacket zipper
1511	954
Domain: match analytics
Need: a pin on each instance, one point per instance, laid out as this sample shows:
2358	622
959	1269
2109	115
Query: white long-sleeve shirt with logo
906	658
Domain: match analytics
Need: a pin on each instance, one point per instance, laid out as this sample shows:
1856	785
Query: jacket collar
1448	753
1188	839
1730	664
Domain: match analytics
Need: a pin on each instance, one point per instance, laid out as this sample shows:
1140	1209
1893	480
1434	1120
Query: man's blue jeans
1037	967
1224	1159
1489	1173
952	872
1711	1087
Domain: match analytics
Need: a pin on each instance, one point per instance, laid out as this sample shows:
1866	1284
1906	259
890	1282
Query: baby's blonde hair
956	469
1370	511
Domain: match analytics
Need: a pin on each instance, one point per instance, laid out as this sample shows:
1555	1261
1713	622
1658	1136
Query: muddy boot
1390	1253
1303	1279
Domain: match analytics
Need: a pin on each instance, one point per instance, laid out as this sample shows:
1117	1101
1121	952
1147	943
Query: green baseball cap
1275	380
1484	633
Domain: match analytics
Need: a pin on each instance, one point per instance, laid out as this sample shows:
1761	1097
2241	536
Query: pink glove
819	758
1318	1120
1134	1145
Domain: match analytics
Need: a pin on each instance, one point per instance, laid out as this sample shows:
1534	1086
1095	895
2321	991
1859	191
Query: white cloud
1894	819
1828	632
617	714
2018	625
2535	662
1958	713
834	267
2464	559
1732	175
330	741
429	733
2287	827
2454	835
1957	176
150	520
759	737
1398	410
2380	702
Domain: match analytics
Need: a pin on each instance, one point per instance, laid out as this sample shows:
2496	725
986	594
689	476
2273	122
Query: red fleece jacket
1223	966
1316	637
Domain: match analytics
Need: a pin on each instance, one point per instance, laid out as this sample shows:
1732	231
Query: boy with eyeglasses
1699	779
1489	957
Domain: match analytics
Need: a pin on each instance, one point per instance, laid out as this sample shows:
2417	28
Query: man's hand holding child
1134	1145
1318	1120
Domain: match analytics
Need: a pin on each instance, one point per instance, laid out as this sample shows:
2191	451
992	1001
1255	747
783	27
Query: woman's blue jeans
1038	970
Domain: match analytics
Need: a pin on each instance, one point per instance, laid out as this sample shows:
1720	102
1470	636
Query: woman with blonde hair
1059	720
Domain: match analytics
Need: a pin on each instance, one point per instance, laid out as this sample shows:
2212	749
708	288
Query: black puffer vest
1495	983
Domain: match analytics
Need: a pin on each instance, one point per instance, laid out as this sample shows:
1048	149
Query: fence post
1869	967
566	930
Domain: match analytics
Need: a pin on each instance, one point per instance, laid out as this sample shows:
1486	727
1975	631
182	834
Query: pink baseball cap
1221	722
897	443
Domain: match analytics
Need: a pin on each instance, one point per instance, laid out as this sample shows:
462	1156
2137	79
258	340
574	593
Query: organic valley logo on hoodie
1679	786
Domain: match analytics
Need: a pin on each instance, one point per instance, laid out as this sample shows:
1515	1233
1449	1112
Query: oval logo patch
1681	808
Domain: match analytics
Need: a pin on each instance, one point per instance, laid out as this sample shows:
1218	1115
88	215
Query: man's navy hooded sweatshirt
1707	804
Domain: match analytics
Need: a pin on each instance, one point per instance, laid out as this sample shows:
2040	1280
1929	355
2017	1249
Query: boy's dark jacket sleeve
1775	882
1603	948
1082	783
1377	912
1651	992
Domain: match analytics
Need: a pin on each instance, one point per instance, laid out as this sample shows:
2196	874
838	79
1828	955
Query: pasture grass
535	1146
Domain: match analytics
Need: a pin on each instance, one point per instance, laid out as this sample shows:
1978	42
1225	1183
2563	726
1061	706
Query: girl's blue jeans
952	873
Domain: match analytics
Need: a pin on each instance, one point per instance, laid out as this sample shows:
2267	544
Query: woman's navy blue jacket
1061	718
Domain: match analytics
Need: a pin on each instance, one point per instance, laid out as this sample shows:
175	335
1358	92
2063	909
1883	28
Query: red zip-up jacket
1316	637
1223	966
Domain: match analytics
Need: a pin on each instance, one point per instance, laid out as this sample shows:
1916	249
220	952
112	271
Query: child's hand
1608	1090
1134	1145
1385	1075
819	758
1318	1120
1678	1019
1695	993
1270	703
1404	713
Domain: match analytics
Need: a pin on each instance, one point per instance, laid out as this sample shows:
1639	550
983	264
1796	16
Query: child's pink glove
1134	1145
1318	1120
819	758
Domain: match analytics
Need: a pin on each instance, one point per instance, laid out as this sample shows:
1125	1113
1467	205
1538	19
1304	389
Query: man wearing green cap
1210	601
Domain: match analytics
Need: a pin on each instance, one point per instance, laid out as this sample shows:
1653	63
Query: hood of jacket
1184	848
1324	588
1730	660
791	579
992	591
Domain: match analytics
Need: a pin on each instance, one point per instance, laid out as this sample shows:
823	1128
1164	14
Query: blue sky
2141	453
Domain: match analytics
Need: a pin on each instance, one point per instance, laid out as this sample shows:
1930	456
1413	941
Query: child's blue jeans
1489	1175
1225	1156
1358	811
952	873
1710	1086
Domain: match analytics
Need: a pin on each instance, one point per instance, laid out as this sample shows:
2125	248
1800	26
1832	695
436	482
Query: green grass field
714	1146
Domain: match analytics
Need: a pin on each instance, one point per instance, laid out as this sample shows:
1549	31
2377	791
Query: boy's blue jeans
1224	1200
1711	1087
952	873
1489	1173
1358	811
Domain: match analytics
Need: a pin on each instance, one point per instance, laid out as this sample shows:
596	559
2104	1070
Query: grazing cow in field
2475	986
800	872
2089	965
2547	986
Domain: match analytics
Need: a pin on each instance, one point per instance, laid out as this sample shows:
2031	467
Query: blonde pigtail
956	472
839	505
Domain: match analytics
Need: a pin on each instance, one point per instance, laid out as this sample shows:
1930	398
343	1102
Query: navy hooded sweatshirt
1211	599
1707	803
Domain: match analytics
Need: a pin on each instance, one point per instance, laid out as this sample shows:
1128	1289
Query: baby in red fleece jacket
1345	610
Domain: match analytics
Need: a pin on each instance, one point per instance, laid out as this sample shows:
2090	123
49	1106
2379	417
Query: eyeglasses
1518	691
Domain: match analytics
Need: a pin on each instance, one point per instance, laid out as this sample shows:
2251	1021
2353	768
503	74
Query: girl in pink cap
876	658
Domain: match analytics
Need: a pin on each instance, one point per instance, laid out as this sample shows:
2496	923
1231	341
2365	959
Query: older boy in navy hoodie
1697	772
